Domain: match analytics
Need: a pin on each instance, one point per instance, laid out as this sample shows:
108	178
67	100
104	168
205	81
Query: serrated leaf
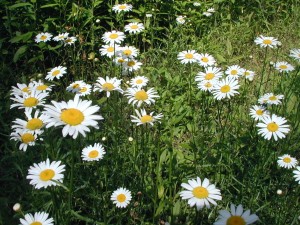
20	52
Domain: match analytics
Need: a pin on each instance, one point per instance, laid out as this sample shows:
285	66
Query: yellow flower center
121	198
146	119
134	27
122	7
287	160
259	112
235	220
267	41
72	116
273	98
121	60
209	76
141	95
225	89
131	63
283	67
25	89
27	137
30	102
127	52
200	192
208	85
110	49
204	59
36	223
93	154
233	72
68	40
43	37
75	86
189	56
55	72
272	127
34	124
42	87
82	90
139	81
113	36
47	174
108	86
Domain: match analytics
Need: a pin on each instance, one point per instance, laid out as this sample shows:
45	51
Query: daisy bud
279	192
96	60
104	138
40	75
130	139
271	63
17	207
97	20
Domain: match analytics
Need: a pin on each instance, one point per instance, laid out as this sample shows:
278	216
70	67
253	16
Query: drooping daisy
113	37
189	56
283	67
206	85
200	193
134	28
286	161
131	65
56	72
61	37
29	101
39	218
41	86
264	42
43	37
234	71
21	89
93	152
297	174
180	19
26	137
75	115
205	60
70	41
127	52
273	126
121	197
139	81
109	50
273	99
122	8
295	53
248	74
108	85
258	112
76	86
144	118
139	96
41	175
237	216
210	74
225	88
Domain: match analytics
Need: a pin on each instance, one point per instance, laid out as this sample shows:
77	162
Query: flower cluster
62	37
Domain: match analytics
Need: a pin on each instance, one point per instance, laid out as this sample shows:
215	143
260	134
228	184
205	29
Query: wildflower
127	52
297	174
61	37
26	137
21	89
207	14
119	60
109	50
93	152
43	37
103	139
266	41
295	53
210	74
130	139
248	74
225	88
122	8
139	81
17	207
258	112
274	99
211	10
237	216
41	86
188	56
144	118
121	197
273	126
139	96
180	19
206	85
149	15
134	28
39	218
108	85
283	67
234	71
84	90
131	65
113	37
200	193
56	72
75	115
43	174
76	86
205	60
197	4
70	40
286	161
279	192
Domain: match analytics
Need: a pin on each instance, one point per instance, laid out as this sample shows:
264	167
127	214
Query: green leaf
18	5
160	191
20	52
49	6
176	208
23	37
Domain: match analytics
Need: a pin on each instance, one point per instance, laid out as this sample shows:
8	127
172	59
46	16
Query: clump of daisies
62	37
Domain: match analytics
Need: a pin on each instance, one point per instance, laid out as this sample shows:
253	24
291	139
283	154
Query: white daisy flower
200	193
26	137
41	86
113	37
206	85
70	41
127	52
237	216
264	42
295	53
131	65
109	50
119	60
93	152
144	118
283	67
43	37
211	10
225	88
39	218
41	175
121	197
84	90
21	89
56	72
273	126
248	74
208	14
205	60
180	19
189	56
139	96
122	8
108	85
286	161
76	86
210	74
61	37
273	99
139	81
196	4
134	28
75	115
234	71
258	112
296	173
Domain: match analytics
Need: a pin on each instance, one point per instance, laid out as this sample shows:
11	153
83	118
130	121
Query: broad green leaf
23	37
20	52
18	5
